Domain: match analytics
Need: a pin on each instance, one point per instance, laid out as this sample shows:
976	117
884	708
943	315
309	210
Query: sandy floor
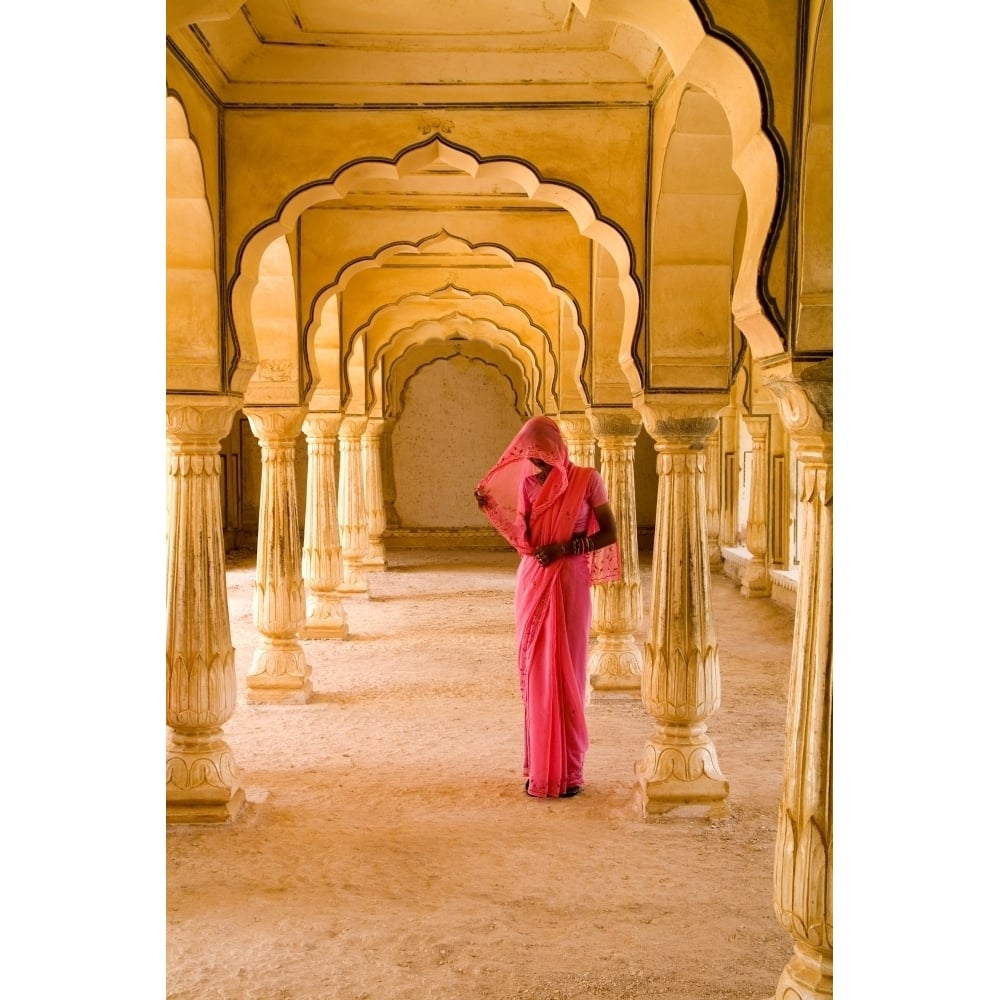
389	852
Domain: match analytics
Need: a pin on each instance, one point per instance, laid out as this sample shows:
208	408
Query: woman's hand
481	499
546	554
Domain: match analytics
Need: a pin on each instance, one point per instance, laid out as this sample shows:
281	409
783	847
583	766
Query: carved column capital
614	422
682	421
757	426
199	420
579	438
322	424
805	403
275	424
353	428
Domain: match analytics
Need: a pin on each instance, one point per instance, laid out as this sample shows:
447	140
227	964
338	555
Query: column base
355	579
203	813
321	628
375	559
806	977
755	581
679	778
203	781
325	618
279	674
615	667
715	560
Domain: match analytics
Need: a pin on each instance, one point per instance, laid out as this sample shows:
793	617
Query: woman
557	515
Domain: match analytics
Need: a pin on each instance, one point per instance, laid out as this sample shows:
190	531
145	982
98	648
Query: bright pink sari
552	607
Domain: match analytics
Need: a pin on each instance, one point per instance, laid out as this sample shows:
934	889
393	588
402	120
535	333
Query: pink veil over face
539	438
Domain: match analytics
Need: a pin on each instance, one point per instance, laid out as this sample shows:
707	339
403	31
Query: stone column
615	662
803	872
679	772
279	672
578	434
729	435
755	580
371	461
203	780
351	507
713	494
325	616
389	475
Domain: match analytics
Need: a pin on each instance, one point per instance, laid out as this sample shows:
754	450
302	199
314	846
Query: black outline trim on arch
437	137
760	77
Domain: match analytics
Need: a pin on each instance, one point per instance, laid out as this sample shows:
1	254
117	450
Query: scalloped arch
410	162
401	312
193	347
457	326
715	66
416	356
399	322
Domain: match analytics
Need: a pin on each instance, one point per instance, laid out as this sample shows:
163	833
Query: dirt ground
388	850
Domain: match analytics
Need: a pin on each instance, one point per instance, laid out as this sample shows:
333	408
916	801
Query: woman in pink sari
557	516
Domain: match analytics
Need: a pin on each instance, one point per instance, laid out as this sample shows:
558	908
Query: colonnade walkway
387	849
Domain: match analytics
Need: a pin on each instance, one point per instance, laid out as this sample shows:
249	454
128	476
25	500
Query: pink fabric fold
552	607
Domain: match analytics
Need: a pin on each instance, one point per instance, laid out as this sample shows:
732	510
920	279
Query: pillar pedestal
321	569
204	784
678	775
615	661
279	673
713	499
755	580
803	871
352	511
371	460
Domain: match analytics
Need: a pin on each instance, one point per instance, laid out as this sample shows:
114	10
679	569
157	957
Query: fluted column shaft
679	772
351	507
803	871
203	780
713	494
321	569
615	662
279	672
371	461
578	433
755	580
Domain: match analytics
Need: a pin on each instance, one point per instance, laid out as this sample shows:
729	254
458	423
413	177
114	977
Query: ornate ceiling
385	52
